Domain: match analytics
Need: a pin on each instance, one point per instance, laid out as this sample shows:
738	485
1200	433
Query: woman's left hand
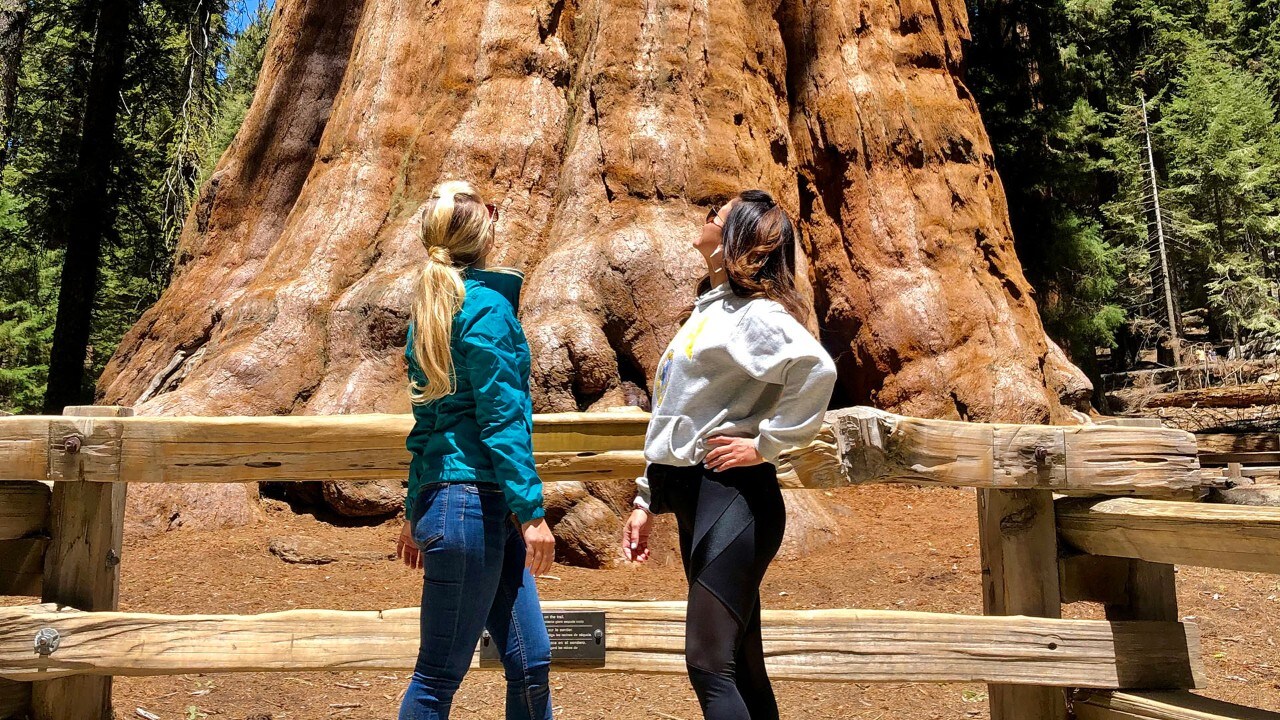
731	452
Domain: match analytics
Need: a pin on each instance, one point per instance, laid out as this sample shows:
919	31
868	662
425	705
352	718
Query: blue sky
242	12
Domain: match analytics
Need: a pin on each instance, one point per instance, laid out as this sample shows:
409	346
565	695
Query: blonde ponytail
456	226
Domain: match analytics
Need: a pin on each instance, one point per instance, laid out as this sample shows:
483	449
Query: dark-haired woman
742	381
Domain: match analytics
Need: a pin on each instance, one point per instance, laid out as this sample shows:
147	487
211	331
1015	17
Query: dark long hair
759	244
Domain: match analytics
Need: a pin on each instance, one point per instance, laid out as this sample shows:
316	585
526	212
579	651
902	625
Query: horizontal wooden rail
822	645
1162	706
1230	537
284	448
859	445
1079	460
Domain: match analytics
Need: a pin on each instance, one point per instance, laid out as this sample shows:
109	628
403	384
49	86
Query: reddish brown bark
602	129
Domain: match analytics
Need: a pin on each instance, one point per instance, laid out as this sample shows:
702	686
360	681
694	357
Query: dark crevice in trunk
552	24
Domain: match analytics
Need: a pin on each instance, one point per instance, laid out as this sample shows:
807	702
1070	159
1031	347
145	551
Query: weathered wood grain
876	446
24	454
569	446
822	645
1228	396
817	465
85	449
24	509
862	446
253	449
1162	706
250	449
582	466
1019	549
1230	537
86	529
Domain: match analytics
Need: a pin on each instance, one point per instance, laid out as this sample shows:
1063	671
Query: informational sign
577	638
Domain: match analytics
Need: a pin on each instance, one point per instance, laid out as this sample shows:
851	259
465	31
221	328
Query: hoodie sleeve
644	494
503	407
775	348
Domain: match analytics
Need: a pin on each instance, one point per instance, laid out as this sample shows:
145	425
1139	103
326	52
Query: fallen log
1227	396
1238	442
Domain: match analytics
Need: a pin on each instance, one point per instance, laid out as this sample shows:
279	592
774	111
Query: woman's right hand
635	536
407	549
540	546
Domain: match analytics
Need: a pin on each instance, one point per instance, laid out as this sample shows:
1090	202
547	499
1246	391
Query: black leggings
731	526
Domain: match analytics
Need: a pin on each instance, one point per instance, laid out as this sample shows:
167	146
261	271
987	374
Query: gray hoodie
739	367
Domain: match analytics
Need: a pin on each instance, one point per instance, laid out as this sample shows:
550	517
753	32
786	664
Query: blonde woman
472	468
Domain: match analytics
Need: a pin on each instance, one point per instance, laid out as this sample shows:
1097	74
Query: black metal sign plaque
577	638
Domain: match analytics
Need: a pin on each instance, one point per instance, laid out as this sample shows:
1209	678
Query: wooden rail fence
1124	515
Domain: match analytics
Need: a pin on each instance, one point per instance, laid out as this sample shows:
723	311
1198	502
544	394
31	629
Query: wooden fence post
1150	593
82	563
1129	589
1019	542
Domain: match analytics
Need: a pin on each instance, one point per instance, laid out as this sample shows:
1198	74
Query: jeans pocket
426	543
430	527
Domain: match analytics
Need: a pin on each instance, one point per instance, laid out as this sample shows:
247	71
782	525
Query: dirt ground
903	548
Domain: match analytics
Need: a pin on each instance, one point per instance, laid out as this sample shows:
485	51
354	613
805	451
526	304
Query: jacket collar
718	292
507	282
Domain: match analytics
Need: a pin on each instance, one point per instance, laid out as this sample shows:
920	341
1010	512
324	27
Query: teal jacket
482	433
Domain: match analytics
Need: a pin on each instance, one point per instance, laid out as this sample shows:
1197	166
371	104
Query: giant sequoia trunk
602	129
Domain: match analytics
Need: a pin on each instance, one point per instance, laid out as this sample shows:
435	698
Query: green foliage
1244	297
1059	83
1220	135
187	84
28	287
239	82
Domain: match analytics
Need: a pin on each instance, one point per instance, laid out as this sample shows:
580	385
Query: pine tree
1223	151
1056	82
91	212
154	138
244	60
13	29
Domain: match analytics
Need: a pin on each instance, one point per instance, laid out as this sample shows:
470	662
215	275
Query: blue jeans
474	578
